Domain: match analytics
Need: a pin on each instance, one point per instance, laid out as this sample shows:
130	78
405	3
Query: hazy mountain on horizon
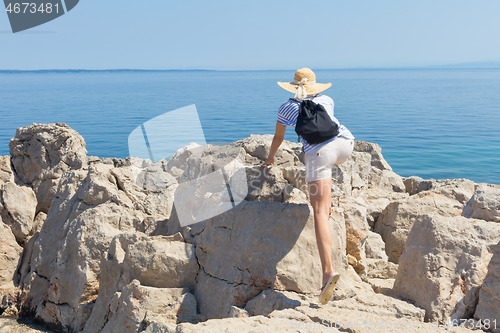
471	64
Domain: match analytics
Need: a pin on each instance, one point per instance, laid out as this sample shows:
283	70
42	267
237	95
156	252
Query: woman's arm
279	135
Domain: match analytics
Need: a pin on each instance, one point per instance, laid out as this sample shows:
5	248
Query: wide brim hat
306	78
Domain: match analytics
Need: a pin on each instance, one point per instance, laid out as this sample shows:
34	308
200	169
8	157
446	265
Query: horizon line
56	70
468	65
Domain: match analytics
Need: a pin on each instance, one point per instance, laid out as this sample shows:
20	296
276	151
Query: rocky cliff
97	244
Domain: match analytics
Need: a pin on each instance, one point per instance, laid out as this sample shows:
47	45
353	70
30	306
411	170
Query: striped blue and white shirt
289	111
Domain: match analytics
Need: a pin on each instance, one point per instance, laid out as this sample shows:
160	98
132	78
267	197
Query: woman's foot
328	286
326	277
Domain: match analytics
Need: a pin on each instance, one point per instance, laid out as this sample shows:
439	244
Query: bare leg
320	196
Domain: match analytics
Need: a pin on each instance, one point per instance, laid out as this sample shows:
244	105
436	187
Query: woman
319	160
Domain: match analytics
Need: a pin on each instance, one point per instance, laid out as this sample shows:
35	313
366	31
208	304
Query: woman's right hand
270	160
277	140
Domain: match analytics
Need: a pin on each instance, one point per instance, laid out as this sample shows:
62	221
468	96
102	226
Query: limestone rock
200	164
460	189
357	229
296	176
251	248
268	301
397	219
237	312
17	208
149	175
444	264
368	169
257	146
252	324
38	148
457	189
136	306
415	184
381	305
161	262
41	153
9	257
386	180
379	314
484	204
380	268
488	307
9	299
294	195
21	325
6	172
375	246
358	168
376	200
351	175
267	184
365	312
147	185
382	286
38	222
92	205
105	250
375	320
350	284
25	260
257	246
376	158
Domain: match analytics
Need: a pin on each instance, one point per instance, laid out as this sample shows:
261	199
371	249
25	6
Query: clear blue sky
164	34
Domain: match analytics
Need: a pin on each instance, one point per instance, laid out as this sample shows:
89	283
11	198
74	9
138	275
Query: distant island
475	64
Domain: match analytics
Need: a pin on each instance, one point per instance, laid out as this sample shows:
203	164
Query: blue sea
432	123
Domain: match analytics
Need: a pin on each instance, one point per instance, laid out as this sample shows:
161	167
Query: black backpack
314	124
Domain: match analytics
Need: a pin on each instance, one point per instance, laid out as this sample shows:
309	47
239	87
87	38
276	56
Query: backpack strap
298	102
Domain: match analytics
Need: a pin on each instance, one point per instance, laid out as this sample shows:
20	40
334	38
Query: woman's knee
319	189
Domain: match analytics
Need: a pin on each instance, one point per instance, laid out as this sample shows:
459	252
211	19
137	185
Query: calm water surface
433	123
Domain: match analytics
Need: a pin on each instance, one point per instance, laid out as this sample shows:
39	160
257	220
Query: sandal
327	290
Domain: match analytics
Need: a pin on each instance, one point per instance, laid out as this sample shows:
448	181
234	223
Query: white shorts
319	162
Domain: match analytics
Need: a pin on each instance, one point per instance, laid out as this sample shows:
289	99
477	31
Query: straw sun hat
304	83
